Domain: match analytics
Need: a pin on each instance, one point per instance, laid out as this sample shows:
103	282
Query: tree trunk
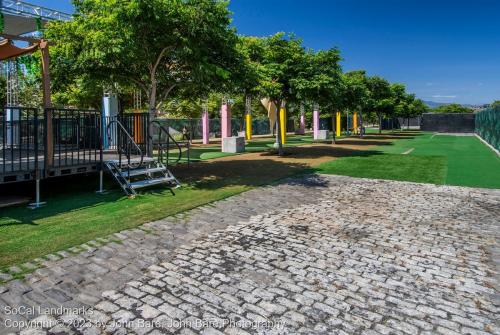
278	127
380	123
408	123
360	125
333	129
152	114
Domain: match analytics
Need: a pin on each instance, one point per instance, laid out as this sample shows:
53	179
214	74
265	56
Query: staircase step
151	182
139	172
135	160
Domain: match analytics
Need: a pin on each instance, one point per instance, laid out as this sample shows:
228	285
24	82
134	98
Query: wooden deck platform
18	168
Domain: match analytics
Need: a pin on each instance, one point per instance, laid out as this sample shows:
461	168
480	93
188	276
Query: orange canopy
9	50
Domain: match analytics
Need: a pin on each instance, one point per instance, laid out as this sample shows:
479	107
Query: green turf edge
419	169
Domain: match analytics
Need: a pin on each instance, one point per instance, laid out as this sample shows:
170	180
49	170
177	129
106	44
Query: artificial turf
420	169
70	220
427	158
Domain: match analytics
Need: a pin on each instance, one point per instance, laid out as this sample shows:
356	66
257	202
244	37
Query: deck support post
101	182
47	104
37	203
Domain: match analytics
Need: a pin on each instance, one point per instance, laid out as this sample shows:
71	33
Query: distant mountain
433	104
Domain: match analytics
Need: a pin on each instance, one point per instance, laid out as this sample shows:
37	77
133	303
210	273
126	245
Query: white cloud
429	84
439	96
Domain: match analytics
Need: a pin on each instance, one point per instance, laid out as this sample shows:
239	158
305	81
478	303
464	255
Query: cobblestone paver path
346	256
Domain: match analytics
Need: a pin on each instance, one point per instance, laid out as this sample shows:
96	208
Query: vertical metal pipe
4	137
19	138
37	196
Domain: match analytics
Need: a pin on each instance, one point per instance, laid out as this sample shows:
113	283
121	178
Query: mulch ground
268	166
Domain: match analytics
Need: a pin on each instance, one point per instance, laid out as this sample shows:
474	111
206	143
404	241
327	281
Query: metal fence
21	139
488	126
76	137
260	126
448	122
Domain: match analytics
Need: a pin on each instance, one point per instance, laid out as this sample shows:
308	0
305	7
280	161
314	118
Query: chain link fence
488	126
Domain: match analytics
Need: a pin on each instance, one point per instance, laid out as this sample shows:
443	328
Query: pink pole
206	130
315	123
302	128
226	121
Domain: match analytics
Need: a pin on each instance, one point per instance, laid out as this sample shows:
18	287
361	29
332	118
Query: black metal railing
125	145
77	137
35	140
21	139
136	126
164	141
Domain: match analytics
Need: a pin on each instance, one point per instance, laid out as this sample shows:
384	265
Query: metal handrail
169	137
130	140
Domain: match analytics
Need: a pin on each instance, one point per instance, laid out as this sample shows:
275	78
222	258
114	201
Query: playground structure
49	142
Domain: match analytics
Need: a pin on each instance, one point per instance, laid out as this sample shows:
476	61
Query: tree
495	104
380	98
412	107
452	108
282	71
321	81
356	92
155	45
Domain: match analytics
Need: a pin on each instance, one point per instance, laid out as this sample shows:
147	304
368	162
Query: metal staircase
165	143
131	169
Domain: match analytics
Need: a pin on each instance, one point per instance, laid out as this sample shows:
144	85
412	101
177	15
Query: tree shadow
268	168
74	193
62	194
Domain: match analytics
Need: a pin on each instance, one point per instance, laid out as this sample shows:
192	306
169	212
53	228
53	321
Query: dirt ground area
264	167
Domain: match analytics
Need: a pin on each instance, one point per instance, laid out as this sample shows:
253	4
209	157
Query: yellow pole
248	121
338	124
283	124
355	122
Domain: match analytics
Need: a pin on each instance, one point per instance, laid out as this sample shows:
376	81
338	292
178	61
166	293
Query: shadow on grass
63	194
257	172
77	193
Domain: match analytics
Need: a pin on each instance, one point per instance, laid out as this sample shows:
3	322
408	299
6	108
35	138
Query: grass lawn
72	218
427	158
419	169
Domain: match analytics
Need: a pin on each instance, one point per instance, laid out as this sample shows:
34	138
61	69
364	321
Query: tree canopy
180	54
156	45
495	104
452	108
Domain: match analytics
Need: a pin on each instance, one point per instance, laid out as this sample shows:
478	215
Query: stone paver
101	265
341	256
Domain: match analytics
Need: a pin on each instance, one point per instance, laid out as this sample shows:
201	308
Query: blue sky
443	50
